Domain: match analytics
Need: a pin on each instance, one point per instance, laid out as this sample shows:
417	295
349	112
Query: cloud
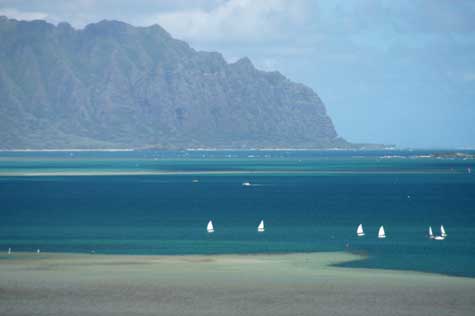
81	12
235	20
469	76
268	64
23	15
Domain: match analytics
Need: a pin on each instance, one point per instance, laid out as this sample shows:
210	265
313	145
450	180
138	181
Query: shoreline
362	148
342	256
192	149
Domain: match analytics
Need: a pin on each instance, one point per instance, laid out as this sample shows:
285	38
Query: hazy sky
389	71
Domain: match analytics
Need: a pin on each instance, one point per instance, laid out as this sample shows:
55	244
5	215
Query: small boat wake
249	184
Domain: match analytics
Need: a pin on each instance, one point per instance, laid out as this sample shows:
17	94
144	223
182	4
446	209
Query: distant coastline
71	150
435	152
355	148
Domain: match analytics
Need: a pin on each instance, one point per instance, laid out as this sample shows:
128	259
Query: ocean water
309	200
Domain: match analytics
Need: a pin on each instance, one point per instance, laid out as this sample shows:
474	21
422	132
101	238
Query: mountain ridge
114	85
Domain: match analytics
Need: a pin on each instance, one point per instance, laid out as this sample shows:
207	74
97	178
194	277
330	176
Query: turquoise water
310	201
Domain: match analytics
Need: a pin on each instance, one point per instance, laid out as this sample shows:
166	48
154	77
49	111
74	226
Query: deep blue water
305	211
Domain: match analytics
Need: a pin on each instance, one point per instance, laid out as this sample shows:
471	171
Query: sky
396	72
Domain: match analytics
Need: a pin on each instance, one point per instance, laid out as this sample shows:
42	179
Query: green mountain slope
112	85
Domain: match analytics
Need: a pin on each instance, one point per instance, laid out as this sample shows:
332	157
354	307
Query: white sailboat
9	251
431	234
381	233
260	228
246	184
210	227
359	231
442	236
442	231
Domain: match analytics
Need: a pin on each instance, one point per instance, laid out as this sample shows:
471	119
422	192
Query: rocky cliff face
115	85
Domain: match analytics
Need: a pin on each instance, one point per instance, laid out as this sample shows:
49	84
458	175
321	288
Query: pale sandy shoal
294	284
219	172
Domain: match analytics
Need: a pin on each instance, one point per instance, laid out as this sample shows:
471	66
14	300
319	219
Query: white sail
359	230
9	251
431	234
210	227
260	228
442	231
381	233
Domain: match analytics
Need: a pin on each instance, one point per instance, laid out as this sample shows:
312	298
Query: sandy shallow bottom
294	284
197	172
